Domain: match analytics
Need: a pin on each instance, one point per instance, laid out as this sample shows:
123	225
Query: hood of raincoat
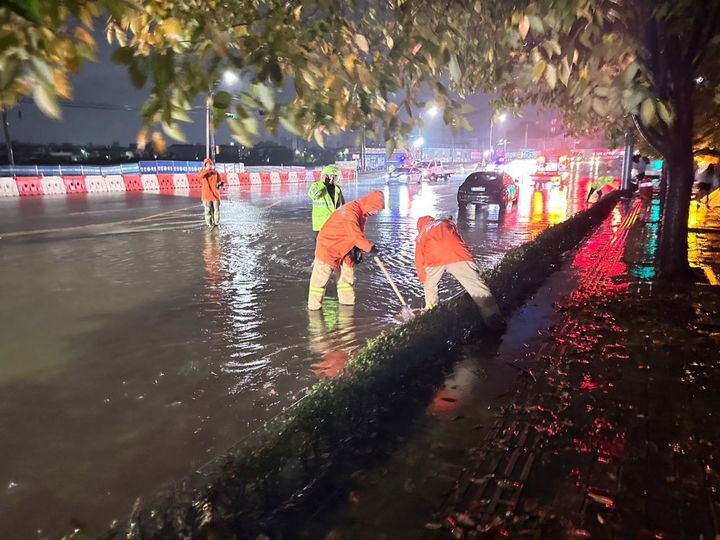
423	221
372	202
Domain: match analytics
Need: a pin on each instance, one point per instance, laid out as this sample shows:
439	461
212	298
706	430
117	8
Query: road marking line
18	234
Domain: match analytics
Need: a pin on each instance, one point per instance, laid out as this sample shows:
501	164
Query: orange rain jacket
345	228
208	181
438	243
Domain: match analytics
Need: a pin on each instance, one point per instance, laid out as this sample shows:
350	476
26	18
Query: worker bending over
342	232
438	248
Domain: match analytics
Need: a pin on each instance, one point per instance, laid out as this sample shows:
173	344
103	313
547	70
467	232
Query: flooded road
137	345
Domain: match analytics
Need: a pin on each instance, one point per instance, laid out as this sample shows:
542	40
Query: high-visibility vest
323	204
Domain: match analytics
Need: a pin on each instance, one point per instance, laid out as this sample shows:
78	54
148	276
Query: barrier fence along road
102	180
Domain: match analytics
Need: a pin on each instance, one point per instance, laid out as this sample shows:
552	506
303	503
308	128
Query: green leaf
647	111
600	106
138	72
538	70
42	71
318	136
524	26
265	95
250	123
564	71
629	73
221	100
664	113
389	147
551	76
123	55
362	43
536	24
174	132
46	100
291	126
162	68
240	132
454	68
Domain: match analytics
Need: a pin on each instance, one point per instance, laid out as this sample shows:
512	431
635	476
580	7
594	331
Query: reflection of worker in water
439	247
212	253
332	338
597	185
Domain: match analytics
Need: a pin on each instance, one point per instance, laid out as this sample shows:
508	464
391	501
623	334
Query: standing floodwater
137	344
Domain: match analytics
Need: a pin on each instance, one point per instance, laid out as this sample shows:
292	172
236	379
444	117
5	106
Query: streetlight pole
363	150
208	101
8	142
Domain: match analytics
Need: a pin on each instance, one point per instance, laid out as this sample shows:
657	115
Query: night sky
107	83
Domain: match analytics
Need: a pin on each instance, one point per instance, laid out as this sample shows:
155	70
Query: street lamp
229	78
500	120
433	111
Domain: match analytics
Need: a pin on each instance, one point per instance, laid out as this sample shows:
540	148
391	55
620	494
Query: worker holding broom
439	247
341	233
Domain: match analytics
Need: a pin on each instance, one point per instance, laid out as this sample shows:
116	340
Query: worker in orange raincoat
439	247
343	231
210	183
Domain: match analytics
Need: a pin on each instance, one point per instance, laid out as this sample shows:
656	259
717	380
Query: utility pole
527	126
363	151
207	125
8	141
627	162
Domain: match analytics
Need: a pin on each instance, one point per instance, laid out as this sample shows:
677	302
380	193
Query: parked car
404	175
432	170
487	187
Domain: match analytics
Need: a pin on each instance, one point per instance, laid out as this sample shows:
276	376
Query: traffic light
231	115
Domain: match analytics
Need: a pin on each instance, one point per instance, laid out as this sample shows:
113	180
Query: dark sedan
487	188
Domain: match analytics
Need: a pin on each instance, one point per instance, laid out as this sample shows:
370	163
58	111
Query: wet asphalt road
137	345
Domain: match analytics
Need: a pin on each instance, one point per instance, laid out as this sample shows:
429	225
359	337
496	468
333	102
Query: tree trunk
673	257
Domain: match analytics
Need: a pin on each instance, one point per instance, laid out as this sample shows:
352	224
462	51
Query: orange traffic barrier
29	185
284	175
244	178
194	181
132	182
166	182
75	184
264	177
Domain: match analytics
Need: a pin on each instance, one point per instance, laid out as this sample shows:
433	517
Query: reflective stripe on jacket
208	182
438	243
323	204
344	230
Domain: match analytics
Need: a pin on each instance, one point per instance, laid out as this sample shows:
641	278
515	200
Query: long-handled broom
406	312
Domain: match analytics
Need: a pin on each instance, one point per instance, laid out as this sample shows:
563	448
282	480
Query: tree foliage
313	67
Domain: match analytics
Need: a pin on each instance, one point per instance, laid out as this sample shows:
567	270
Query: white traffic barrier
274	177
53	185
8	187
292	176
180	181
96	184
114	183
149	182
233	179
255	178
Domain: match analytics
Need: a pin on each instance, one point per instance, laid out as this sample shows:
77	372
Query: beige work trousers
467	273
212	212
321	273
